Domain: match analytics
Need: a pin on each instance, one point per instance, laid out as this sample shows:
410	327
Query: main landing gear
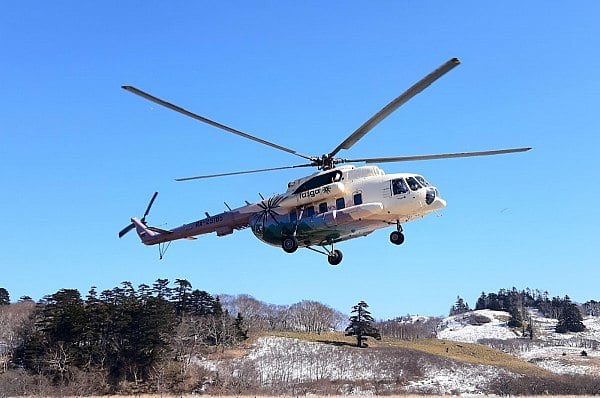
397	237
289	244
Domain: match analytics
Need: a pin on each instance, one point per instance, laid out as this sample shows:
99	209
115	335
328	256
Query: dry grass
311	396
461	352
470	353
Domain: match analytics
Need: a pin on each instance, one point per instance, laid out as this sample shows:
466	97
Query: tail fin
144	232
139	225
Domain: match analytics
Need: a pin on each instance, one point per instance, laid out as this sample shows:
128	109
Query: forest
134	340
149	338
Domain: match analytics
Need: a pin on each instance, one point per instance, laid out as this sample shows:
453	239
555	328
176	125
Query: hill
127	341
560	353
475	353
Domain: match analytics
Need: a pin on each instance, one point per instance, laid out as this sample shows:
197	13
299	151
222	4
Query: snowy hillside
288	363
473	326
568	353
485	357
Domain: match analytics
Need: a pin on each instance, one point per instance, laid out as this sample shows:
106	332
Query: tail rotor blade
149	206
126	230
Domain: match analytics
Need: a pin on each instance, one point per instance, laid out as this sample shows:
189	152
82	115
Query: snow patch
470	327
466	379
559	353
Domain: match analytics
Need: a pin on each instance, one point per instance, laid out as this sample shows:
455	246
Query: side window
310	211
399	186
323	207
340	203
413	184
293	216
358	198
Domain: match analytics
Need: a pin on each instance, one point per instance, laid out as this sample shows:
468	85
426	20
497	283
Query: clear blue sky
80	156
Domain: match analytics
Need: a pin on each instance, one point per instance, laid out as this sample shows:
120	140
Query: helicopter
336	203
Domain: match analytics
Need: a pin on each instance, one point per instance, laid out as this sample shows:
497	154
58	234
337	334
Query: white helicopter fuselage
344	203
324	208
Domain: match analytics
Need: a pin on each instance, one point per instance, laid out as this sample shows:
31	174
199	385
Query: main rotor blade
243	172
438	156
395	104
185	112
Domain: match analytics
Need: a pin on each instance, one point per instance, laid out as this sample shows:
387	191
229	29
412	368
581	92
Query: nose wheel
335	258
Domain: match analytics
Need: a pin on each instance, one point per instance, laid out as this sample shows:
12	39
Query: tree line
134	339
516	302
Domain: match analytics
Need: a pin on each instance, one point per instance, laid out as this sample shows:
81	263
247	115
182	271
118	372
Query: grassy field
462	352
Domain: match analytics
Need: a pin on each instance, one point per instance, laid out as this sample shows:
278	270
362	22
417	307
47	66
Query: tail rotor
131	226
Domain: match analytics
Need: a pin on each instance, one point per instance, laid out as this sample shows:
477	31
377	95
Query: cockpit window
399	186
423	181
413	184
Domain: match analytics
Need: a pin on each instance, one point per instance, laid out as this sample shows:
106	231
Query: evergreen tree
181	298
570	319
529	329
481	302
241	333
515	309
4	296
516	320
460	307
361	324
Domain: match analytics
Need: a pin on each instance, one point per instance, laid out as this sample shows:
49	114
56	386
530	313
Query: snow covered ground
473	326
466	379
556	352
288	364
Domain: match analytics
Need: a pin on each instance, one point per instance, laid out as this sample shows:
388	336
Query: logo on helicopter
310	193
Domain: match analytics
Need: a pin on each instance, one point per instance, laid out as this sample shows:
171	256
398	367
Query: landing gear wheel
335	258
289	244
397	237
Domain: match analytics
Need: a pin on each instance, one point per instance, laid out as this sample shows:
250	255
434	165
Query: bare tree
14	322
314	317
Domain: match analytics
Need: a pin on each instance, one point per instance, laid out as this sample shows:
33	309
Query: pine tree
460	307
361	324
241	333
4	296
481	302
570	319
516	320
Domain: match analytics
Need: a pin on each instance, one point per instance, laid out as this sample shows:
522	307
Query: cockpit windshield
399	186
413	184
423	181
